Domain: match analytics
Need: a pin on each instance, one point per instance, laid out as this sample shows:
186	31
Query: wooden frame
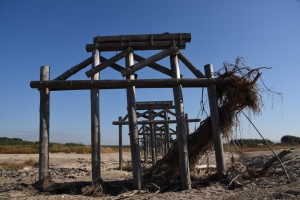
170	44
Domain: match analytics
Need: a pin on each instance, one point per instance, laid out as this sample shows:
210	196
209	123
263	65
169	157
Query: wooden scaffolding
170	46
154	131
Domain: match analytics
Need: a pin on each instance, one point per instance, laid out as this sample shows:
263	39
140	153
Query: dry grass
17	165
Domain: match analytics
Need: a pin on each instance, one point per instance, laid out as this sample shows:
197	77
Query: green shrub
289	139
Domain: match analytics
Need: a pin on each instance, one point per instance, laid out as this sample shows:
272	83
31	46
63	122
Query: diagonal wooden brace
115	66
150	60
75	69
154	66
108	62
189	65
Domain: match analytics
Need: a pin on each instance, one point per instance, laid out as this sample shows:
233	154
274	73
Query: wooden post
215	122
120	146
152	140
95	123
133	130
145	145
187	124
44	124
181	127
167	132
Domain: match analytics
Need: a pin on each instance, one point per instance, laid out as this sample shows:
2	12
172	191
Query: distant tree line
14	141
289	139
249	142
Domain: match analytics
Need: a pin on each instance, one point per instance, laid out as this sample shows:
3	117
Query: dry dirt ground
15	184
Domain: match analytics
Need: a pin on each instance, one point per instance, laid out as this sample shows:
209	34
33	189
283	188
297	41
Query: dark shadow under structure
170	46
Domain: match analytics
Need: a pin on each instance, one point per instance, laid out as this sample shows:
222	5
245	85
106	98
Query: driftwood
270	162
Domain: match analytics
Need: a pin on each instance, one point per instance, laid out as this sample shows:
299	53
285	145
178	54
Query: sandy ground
77	167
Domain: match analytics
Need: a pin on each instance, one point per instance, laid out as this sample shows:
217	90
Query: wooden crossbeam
153	122
156	133
121	84
108	62
171	112
143	114
114	66
135	46
125	118
154	66
154	113
190	66
150	60
172	130
67	74
144	37
146	105
160	114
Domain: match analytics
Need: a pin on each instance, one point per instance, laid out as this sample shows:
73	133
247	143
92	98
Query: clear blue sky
35	33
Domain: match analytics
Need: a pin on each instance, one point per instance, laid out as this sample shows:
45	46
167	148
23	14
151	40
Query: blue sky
35	33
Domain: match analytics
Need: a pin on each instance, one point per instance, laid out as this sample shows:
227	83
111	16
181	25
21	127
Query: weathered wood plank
75	69
150	60
215	123
44	124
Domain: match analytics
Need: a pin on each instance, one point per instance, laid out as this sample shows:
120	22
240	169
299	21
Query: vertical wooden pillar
145	144
133	130
120	146
167	132
215	122
152	140
181	127
95	123
187	124
44	124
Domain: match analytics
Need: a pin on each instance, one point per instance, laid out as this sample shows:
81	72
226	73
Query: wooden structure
155	134
128	45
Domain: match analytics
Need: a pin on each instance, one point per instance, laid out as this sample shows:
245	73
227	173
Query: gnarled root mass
232	98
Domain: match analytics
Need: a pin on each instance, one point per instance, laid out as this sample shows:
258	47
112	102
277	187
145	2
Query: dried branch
287	176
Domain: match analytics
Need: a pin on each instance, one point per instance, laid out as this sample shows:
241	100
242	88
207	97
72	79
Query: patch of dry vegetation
17	165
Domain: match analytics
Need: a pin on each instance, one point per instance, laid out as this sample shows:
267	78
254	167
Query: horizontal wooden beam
147	105
190	66
75	69
150	60
154	122
144	37
154	66
156	134
121	84
135	46
108	62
